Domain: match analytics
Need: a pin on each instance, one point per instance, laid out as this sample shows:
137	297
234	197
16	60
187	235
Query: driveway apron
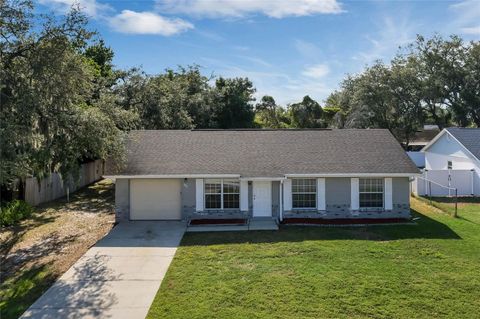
116	278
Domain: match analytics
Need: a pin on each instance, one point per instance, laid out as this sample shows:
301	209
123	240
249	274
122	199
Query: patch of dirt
59	232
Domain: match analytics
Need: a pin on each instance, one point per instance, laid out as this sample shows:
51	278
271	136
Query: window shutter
244	195
199	195
287	194
354	194
388	194
321	205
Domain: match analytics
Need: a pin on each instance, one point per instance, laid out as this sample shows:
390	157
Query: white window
304	193
222	194
371	192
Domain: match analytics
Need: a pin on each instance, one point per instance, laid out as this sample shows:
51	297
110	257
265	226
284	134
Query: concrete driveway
116	278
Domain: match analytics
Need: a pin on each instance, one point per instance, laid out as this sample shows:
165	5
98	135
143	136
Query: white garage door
152	199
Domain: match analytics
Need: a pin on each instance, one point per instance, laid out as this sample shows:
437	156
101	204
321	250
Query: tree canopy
64	102
434	81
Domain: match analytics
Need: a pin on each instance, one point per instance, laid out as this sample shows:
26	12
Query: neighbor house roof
265	153
468	137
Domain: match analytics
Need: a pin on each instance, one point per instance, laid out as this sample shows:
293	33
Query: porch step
262	224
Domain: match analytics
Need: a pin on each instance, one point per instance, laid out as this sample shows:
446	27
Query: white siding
199	195
445	149
321	194
354	193
243	195
287	194
388	194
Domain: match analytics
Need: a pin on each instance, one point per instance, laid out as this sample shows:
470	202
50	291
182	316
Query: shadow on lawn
88	292
451	200
425	228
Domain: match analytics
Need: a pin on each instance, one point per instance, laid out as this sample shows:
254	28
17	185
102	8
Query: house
419	140
255	174
452	159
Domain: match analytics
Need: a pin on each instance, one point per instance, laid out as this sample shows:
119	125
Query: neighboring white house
452	159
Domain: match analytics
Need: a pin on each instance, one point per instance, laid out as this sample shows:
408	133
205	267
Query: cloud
240	8
471	30
90	7
316	71
467	16
307	49
391	34
284	87
132	22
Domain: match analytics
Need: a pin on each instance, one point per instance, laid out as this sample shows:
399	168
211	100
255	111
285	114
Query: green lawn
428	270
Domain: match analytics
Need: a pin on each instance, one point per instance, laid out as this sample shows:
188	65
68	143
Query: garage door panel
152	199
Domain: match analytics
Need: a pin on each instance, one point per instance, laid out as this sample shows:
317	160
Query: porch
230	224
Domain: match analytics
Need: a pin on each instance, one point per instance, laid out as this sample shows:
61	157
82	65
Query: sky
288	48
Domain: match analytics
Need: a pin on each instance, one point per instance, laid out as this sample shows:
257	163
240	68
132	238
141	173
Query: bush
15	211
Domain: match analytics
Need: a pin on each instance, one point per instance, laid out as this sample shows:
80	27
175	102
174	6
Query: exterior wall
338	201
188	198
401	197
445	149
337	194
275	198
122	199
189	209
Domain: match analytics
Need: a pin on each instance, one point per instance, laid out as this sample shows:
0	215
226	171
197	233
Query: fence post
430	191
456	203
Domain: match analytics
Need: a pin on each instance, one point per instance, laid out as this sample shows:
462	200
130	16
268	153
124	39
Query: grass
37	251
406	271
466	205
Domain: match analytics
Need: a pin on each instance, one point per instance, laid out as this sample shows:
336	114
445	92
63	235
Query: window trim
221	194
316	194
382	192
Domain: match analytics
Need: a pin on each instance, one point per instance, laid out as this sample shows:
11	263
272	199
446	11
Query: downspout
280	213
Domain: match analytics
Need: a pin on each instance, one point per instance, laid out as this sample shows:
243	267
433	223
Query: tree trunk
21	189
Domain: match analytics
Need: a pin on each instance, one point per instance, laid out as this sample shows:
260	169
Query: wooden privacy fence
54	186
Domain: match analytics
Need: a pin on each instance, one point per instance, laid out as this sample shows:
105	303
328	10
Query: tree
306	114
232	103
47	124
269	114
406	95
470	92
332	108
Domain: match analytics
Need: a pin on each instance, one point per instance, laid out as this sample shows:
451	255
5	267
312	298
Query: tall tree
306	114
47	126
232	102
269	114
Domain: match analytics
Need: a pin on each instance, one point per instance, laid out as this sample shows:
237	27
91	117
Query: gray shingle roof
265	153
469	137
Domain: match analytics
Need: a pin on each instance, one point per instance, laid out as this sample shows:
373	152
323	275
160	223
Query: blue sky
287	48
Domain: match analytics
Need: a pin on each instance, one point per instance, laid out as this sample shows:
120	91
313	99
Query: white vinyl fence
467	183
54	186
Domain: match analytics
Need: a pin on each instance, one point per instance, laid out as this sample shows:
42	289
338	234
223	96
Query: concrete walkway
116	278
254	224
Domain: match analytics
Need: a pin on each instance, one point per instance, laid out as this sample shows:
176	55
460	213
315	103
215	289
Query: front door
262	199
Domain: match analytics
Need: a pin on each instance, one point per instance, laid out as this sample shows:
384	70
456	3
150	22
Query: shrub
15	211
